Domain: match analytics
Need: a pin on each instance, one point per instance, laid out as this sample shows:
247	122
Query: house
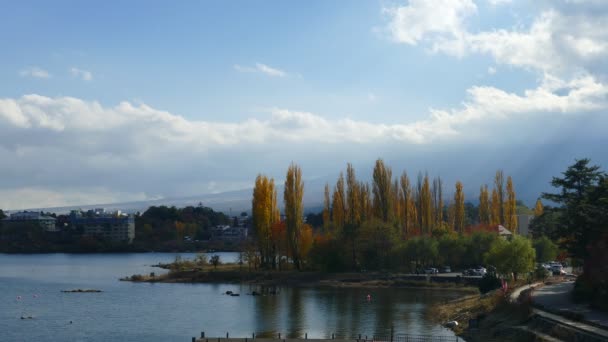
504	232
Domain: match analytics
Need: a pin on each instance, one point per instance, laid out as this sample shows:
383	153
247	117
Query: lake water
127	311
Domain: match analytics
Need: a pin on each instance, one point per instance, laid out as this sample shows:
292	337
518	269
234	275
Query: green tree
512	257
545	249
582	206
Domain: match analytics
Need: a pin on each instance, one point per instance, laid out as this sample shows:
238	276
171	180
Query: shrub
488	283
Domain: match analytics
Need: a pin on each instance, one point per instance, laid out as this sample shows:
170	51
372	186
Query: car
479	271
557	269
446	269
431	270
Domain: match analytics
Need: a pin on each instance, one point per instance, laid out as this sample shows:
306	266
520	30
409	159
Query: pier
359	338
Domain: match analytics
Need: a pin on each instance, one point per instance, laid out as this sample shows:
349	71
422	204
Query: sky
113	101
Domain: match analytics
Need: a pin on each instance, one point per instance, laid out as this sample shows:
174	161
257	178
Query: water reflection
321	312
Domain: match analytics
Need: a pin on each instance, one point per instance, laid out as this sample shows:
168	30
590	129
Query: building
33	217
227	233
504	232
523	224
112	226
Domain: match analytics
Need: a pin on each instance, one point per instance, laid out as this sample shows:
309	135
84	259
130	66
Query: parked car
446	269
431	270
557	270
479	271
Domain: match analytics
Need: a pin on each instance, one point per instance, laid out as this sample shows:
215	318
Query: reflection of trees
344	312
296	313
384	307
266	314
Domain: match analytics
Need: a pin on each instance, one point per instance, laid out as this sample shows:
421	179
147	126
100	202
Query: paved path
514	296
557	297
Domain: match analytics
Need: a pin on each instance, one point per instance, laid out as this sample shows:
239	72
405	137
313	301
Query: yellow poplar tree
382	191
262	216
499	185
406	194
294	210
326	208
538	208
426	207
352	195
438	201
338	205
365	202
459	208
495	209
484	205
510	209
396	200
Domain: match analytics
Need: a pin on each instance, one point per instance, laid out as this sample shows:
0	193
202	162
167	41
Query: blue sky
201	96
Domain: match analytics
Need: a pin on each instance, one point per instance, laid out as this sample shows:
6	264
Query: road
557	297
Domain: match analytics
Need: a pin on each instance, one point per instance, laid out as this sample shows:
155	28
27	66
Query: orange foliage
481	227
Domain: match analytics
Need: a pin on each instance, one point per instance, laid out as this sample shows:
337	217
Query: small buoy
228	292
369	298
70	322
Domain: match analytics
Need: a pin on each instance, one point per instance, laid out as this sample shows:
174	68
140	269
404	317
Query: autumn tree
294	210
495	208
437	191
459	208
484	205
499	186
365	202
382	191
426	207
408	206
396	200
264	213
326	208
352	195
510	209
538	208
353	217
338	205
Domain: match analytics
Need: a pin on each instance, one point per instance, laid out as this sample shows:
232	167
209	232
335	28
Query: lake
31	285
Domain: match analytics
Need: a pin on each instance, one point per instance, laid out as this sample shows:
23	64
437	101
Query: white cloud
421	19
491	70
100	153
35	72
261	68
84	75
499	2
371	97
559	42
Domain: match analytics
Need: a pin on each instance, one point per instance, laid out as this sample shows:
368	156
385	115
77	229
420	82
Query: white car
557	269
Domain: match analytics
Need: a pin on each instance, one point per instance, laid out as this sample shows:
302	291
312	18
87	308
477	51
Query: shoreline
305	279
